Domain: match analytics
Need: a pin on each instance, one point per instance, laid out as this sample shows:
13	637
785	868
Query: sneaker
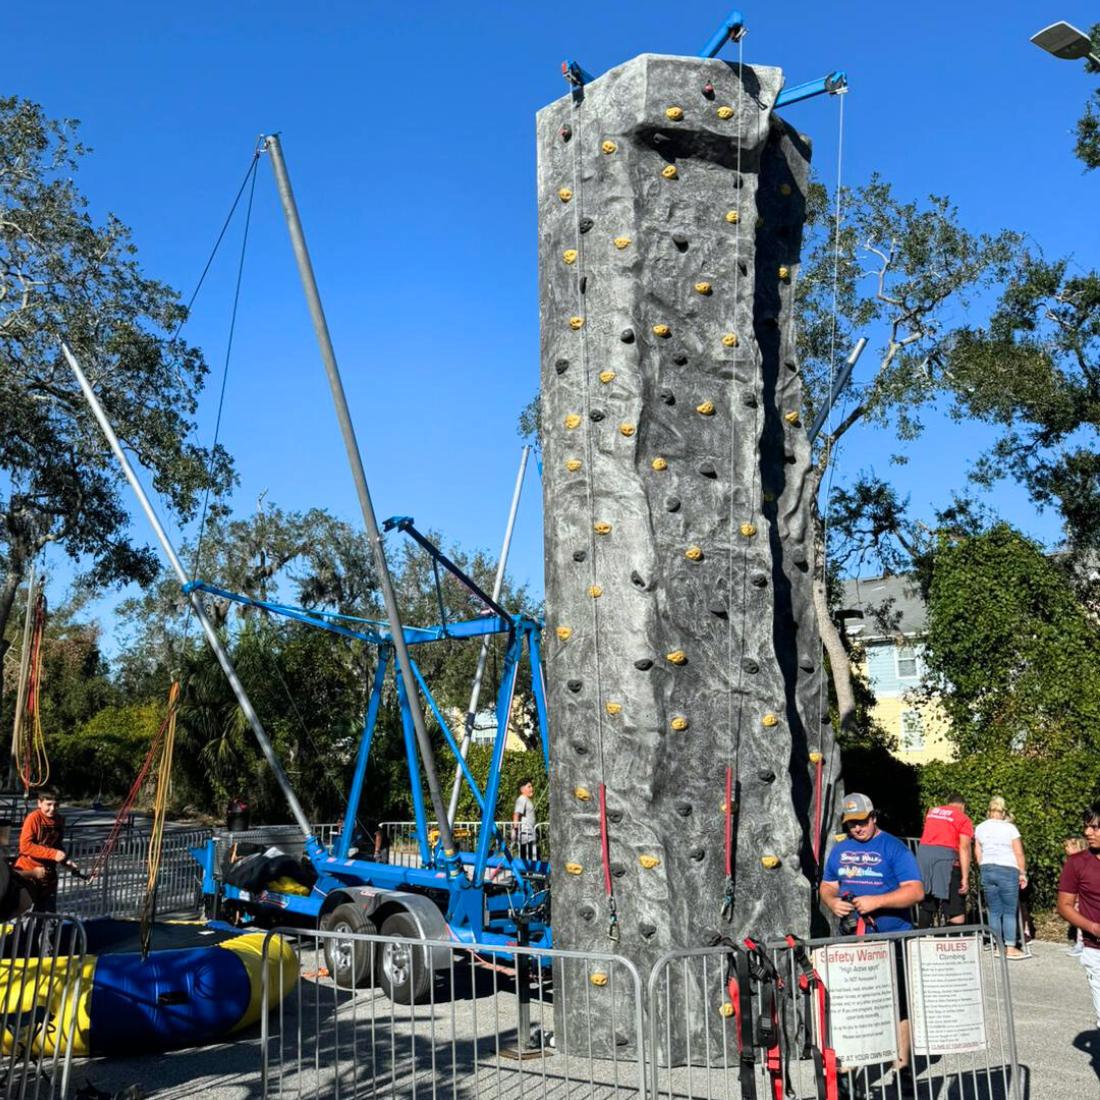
1014	953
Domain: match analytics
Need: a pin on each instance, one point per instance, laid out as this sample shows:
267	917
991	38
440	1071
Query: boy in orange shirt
40	850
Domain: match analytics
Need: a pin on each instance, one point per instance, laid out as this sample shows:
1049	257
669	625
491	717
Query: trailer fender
379	904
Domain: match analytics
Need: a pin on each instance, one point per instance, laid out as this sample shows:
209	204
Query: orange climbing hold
661	330
576	323
676	657
602	528
613	708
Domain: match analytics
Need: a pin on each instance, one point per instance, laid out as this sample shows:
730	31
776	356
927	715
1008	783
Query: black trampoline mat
114	937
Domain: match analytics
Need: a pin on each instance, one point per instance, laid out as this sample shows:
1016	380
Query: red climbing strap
823	1055
819	778
605	856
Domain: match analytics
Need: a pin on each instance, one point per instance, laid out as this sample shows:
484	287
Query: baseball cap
856	807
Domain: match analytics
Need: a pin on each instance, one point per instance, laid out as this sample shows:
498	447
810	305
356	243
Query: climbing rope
160	814
34	763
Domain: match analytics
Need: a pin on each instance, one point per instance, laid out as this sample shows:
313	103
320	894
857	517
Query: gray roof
890	606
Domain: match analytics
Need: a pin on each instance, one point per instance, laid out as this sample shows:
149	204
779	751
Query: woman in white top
1000	854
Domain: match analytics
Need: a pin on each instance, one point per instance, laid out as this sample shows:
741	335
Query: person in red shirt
944	858
1079	900
40	851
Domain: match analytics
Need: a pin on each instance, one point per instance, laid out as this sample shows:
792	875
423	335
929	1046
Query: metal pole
838	386
483	656
21	696
196	603
351	445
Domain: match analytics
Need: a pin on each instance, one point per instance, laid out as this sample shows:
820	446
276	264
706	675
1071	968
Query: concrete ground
1059	1052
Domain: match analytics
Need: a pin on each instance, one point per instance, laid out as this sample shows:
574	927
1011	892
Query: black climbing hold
643	664
806	664
673	504
680	358
614	816
617	869
766	775
586	912
708	90
759	580
580	555
680	241
621	1040
561	366
750	665
584	283
790	458
790	365
801	562
743	267
647	930
683	809
597	415
637	579
574	685
566	132
585	224
697	854
668	397
718	608
627	336
580	748
707	470
749	398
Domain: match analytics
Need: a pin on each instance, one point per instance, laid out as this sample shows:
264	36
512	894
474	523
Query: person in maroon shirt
1079	900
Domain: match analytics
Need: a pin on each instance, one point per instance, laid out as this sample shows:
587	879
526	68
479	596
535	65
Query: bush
515	767
1044	795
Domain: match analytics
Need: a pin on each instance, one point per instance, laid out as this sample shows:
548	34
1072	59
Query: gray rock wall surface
681	642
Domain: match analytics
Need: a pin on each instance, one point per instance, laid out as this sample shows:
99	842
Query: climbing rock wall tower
682	657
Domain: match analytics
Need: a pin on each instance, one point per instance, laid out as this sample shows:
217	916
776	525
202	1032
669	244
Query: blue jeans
1001	886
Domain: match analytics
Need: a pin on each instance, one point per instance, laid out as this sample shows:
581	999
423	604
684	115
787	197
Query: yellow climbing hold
669	172
613	708
602	528
784	188
569	255
572	421
676	657
627	429
730	339
733	217
609	147
784	271
705	409
565	194
607	376
598	977
769	720
791	417
573	868
595	591
659	463
582	793
573	464
703	288
816	758
576	323
770	862
564	633
725	1009
724	112
694	553
679	722
621	243
748	530
649	862
661	330
674	114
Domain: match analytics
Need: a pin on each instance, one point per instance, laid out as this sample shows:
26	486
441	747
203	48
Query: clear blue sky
409	133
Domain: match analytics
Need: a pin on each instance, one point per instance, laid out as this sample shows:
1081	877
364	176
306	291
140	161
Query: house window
906	657
912	731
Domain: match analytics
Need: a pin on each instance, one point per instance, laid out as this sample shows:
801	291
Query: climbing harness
33	761
739	991
855	923
768	1034
815	998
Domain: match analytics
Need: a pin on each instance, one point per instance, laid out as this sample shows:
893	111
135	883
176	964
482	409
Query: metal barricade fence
404	847
934	1001
43	1001
474	1025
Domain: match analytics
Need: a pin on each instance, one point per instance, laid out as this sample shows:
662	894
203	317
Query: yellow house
890	630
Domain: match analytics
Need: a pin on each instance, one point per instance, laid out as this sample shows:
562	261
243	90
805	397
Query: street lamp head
1064	41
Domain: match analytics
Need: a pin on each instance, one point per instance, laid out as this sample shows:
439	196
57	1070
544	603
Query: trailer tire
405	973
349	962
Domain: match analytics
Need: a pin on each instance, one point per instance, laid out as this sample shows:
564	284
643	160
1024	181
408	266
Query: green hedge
1044	796
516	766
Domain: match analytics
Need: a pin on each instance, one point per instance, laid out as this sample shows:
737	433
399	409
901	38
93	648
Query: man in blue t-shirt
874	867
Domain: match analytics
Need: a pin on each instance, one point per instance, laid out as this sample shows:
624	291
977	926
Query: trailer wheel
349	961
404	972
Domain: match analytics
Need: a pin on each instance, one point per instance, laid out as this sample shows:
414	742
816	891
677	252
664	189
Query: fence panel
477	1027
41	994
923	1013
